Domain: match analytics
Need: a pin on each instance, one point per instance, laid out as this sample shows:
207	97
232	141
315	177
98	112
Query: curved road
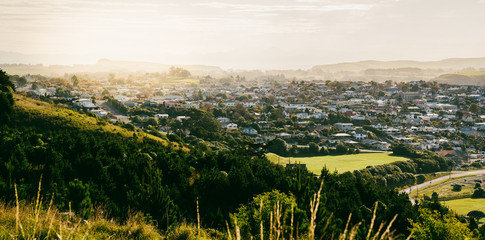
427	183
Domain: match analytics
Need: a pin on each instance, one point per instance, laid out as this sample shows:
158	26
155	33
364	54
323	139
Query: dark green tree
79	198
75	80
474	108
6	97
278	146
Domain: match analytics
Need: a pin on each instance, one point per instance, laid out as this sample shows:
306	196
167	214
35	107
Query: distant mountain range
103	65
450	64
370	70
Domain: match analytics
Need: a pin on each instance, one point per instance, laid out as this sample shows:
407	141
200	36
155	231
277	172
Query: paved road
453	174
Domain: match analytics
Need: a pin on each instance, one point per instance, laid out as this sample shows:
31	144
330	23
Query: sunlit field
465	205
340	163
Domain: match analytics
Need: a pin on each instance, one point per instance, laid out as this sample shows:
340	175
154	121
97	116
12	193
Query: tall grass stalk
261	229
314	209
43	221
198	215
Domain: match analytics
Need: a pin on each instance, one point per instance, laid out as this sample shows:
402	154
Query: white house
195	105
85	103
341	135
249	104
250	131
357	117
344	126
231	126
100	113
223	120
230	103
379	125
320	115
160	116
180	118
284	135
392	130
302	115
359	135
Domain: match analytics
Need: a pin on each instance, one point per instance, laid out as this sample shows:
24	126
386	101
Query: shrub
420	179
476	214
457	187
478	193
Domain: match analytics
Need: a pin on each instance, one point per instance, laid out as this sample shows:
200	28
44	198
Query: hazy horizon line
95	60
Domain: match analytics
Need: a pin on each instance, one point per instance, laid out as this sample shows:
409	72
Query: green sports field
465	205
341	163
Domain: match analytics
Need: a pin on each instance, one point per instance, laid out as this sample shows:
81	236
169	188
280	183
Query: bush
420	179
476	214
457	187
129	126
175	138
479	193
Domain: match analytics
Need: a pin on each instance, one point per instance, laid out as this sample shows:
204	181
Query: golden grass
70	118
50	223
477	73
43	221
176	81
185	231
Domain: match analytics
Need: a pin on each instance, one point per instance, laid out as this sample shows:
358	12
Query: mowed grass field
465	205
340	163
479	73
180	81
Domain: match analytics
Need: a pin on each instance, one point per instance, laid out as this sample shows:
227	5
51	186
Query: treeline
117	105
280	147
403	173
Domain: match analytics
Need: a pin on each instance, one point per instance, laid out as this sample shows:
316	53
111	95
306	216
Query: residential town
443	118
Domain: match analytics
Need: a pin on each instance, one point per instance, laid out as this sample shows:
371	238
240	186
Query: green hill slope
463	78
63	117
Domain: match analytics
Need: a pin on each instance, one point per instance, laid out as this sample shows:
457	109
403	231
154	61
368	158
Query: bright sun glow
249	33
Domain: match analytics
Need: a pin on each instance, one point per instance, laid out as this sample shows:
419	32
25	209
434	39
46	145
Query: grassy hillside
464	78
341	163
64	117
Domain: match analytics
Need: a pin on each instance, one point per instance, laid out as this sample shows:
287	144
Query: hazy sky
245	33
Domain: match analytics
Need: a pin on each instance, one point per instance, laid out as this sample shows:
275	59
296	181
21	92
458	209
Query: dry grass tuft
40	221
185	231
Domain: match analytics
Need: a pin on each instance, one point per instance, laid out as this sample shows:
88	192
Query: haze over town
239	34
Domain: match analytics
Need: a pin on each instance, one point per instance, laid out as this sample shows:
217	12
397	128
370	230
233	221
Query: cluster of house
416	112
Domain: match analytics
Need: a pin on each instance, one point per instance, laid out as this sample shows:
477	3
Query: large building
410	96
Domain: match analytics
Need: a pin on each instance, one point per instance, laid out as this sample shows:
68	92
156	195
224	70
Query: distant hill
451	63
104	65
369	70
463	78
